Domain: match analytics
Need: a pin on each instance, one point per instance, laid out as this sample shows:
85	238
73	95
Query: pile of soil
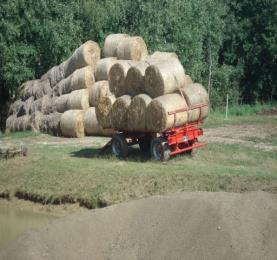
196	225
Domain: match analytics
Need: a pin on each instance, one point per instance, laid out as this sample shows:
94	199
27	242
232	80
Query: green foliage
251	42
228	46
35	35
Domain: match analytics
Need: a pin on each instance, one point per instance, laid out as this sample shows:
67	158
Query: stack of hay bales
146	90
127	89
64	88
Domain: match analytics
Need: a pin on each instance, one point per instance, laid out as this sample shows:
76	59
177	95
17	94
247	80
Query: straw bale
137	112
98	90
157	113
120	112
72	123
104	111
111	44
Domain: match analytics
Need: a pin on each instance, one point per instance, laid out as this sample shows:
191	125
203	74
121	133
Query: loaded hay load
103	67
164	77
137	112
159	55
195	95
98	90
120	112
135	78
104	111
188	80
117	76
158	118
72	123
111	44
131	48
78	99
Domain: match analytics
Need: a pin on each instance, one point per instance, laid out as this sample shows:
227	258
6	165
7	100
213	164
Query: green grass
243	114
61	173
18	135
54	174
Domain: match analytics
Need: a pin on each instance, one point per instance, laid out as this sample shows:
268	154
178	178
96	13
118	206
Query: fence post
227	107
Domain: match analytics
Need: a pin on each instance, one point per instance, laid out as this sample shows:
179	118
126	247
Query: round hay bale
41	88
103	67
10	123
120	112
48	105
86	55
159	55
111	43
164	77
15	107
37	106
26	107
91	124
72	123
117	76
63	87
57	73
26	90
23	123
137	112
61	103
104	110
78	99
188	80
82	78
50	124
196	94
135	78
36	121
131	48
98	90
157	117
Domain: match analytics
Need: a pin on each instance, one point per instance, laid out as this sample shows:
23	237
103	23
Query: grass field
69	172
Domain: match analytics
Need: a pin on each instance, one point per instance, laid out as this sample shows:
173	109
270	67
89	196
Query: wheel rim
116	147
158	151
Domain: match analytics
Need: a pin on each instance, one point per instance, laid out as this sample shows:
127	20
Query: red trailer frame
174	141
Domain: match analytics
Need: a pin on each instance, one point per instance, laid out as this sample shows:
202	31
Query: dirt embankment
196	225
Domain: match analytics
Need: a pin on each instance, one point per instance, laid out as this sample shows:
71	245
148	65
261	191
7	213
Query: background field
241	156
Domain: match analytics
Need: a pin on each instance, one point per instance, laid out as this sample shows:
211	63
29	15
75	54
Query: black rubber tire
145	145
120	146
159	149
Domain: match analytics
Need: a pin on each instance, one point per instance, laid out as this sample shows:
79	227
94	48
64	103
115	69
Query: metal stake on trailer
177	140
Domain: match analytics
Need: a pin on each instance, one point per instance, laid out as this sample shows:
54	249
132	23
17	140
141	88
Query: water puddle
14	222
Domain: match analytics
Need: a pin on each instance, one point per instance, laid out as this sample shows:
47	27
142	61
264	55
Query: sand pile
195	225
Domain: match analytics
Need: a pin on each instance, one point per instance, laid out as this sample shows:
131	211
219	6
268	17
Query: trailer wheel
159	149
119	145
144	145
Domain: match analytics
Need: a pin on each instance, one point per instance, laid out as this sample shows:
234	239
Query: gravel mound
194	225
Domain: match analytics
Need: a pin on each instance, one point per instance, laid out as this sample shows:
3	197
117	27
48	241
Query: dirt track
197	225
